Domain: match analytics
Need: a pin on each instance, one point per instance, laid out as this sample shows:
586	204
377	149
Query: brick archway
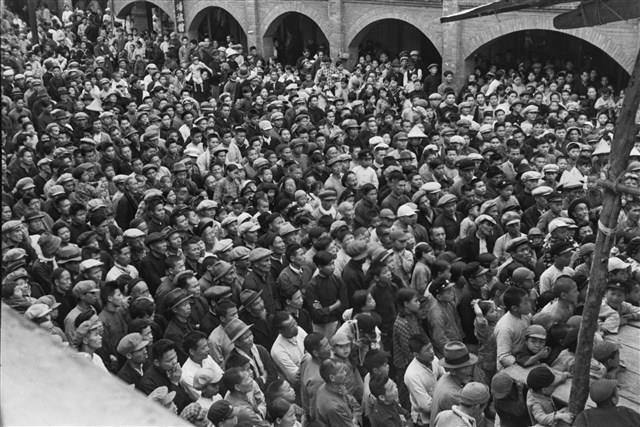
315	16
428	25
488	29
194	13
165	5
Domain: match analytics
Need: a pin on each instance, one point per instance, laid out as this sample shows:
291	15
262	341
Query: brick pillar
451	42
251	26
336	38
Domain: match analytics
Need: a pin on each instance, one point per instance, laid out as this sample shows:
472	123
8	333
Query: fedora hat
456	355
248	297
235	329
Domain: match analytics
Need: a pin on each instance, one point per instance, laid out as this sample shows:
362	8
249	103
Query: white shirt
421	381
118	270
287	354
190	368
549	276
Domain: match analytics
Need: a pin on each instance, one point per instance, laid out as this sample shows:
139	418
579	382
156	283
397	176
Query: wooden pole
623	141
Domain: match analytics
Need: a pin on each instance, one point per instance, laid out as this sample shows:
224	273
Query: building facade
344	27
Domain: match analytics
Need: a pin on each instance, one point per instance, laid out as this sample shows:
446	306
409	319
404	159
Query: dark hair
329	367
273	389
513	297
417	341
232	377
312	342
183	279
378	384
279	318
236	360
191	340
359	300
223	307
277	408
403	296
161	347
108	290
142	307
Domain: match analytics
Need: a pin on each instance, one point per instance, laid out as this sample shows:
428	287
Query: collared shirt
287	354
189	369
118	270
421	380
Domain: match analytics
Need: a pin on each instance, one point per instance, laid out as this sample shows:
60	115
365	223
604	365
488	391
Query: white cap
133	233
375	140
616	263
406	210
90	263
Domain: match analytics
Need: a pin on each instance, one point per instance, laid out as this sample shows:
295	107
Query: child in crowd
536	349
487	314
615	311
510	329
542	382
509	401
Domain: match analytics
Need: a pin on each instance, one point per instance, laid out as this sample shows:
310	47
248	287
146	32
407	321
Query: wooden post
623	142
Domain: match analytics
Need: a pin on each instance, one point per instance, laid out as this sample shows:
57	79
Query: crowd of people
321	243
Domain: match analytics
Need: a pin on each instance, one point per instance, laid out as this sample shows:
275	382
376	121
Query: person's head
222	414
536	338
317	346
333	371
540	379
421	347
474	397
111	295
280	388
565	289
324	261
341	345
615	294
226	311
196	346
164	356
238	381
134	348
281	412
604	392
407	301
384	389
516	301
285	324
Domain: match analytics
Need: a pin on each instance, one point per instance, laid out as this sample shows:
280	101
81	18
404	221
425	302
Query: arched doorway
392	36
547	46
289	34
145	16
219	25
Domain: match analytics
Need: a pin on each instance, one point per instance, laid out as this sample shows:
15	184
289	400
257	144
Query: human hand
544	353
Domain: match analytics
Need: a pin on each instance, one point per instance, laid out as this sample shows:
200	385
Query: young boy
509	330
487	314
535	350
207	382
541	383
387	411
615	311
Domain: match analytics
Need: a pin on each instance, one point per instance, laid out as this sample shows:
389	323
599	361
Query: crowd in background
329	242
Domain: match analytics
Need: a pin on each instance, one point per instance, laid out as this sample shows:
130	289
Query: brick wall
342	20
